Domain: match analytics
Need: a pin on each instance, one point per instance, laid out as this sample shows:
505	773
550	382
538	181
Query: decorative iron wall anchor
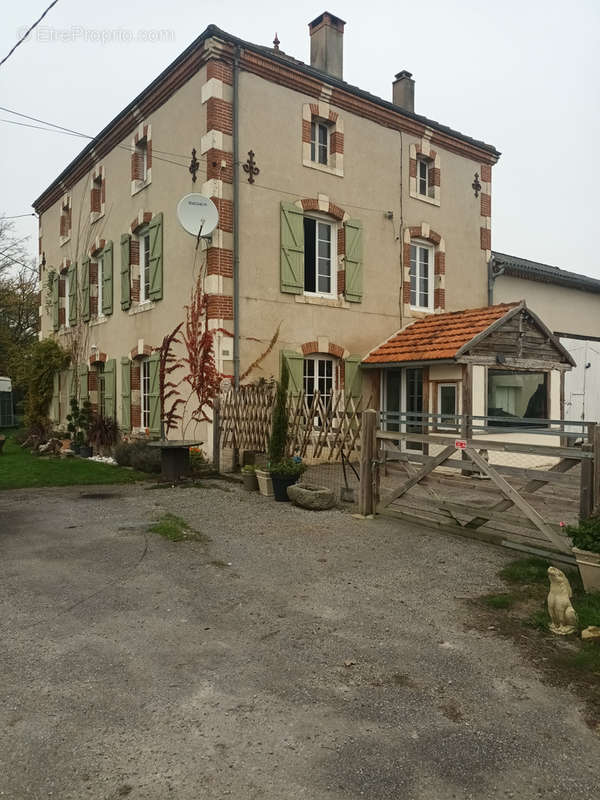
194	165
476	185
250	167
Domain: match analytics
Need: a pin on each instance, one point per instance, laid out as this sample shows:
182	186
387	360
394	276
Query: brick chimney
403	91
327	44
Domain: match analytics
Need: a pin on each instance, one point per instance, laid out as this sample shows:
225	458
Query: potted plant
586	546
249	478
285	473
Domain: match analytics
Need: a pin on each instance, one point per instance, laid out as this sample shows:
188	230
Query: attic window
319	141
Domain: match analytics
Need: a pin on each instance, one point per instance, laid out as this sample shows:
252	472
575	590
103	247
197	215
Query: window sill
95	216
64	240
323	168
139	186
141	307
330	302
418	311
98	320
433	201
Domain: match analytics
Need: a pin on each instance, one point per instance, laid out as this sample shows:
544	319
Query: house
342	217
499	362
569	304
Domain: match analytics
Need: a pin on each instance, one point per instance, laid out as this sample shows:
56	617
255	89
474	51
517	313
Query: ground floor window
145	392
447	404
404	401
515	393
319	374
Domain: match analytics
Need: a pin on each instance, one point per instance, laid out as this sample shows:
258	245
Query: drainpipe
236	227
495	269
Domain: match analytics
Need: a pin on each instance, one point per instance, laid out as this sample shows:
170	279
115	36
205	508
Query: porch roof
437	336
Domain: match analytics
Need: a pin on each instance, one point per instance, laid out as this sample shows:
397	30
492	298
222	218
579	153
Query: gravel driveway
294	655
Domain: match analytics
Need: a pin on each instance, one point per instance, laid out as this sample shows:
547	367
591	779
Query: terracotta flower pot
589	568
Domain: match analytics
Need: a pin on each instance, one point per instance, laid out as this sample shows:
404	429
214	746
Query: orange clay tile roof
436	336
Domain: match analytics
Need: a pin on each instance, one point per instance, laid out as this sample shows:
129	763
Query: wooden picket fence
320	429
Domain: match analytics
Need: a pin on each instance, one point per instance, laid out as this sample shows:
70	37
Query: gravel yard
293	655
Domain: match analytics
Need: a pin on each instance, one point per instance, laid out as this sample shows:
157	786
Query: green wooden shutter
54	300
71	384
125	272
55	404
295	365
72	273
85	289
155	229
110	368
107	279
353	259
125	393
83	383
154	394
292	249
352	378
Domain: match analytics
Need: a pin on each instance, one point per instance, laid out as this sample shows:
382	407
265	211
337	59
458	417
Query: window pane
310	265
517	394
325	284
323	134
447	399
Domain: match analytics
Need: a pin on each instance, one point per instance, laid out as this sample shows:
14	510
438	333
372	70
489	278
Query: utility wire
18	216
26	34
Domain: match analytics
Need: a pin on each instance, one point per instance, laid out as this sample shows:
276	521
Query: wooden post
466	428
586	492
217	434
595	439
367	455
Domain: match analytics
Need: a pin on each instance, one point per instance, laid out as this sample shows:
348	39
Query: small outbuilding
501	361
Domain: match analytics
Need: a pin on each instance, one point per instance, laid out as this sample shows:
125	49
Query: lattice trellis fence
320	428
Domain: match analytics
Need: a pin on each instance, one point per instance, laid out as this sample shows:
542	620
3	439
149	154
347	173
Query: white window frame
439	423
424	162
315	144
145	393
100	284
333	227
420	246
315	360
143	237
67	304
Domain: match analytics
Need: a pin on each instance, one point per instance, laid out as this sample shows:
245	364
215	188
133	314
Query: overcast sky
522	75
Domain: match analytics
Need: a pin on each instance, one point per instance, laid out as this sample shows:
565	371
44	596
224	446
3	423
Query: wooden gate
516	493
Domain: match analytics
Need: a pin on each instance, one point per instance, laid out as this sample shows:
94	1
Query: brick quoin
135	376
337	142
135	290
61	316
219	115
434	176
341	281
310	204
136	416
219	306
486	239
94	305
336	350
415	231
92	381
434	237
214	169
95	199
137	166
486	173
406	292
407	254
336	211
219	262
146	218
486	205
306	130
225	209
314	109
439	298
95	248
310	347
220	71
412	168
93	272
440	263
61	287
341	241
134	251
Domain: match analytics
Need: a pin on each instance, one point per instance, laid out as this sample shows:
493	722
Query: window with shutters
320	256
141	158
320	373
97	194
67	306
144	239
65	220
145	393
100	273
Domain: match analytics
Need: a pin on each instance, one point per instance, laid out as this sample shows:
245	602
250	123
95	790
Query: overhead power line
27	32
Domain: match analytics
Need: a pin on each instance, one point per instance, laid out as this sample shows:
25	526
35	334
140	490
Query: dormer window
319	142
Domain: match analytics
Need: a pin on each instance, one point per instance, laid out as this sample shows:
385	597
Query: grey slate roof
544	273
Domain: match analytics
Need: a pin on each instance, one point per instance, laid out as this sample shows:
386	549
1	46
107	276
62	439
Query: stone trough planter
589	569
306	495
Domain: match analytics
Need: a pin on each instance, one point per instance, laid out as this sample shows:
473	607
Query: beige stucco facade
564	310
371	184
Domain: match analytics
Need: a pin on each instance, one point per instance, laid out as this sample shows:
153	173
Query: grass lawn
19	469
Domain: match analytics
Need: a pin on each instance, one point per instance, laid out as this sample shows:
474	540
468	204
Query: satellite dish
197	214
